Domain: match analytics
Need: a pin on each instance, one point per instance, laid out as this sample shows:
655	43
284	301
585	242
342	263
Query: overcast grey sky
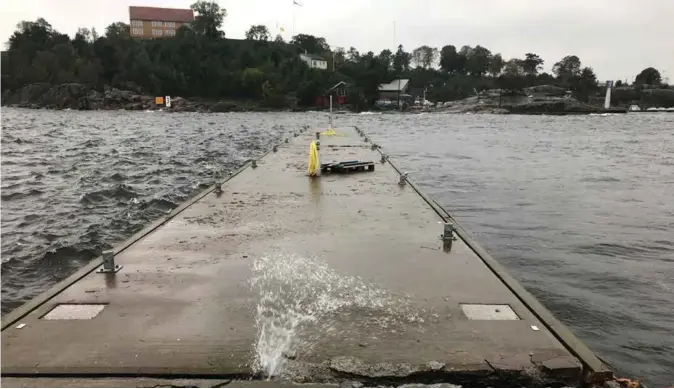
618	38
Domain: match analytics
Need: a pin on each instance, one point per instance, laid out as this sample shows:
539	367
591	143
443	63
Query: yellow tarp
314	165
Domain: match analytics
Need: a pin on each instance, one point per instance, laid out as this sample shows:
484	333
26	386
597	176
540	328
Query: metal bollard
403	179
253	164
318	135
218	187
286	140
109	263
374	146
318	145
275	148
383	158
448	237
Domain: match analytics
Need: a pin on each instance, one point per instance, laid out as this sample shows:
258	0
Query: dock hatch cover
74	312
489	312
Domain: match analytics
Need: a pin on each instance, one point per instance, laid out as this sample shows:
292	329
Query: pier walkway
359	252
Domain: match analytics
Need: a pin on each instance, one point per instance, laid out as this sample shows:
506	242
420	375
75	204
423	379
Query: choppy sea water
579	209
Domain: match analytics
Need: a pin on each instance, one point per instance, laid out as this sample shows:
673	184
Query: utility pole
394	48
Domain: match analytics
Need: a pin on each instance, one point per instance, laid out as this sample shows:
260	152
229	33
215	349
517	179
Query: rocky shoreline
545	99
81	97
538	100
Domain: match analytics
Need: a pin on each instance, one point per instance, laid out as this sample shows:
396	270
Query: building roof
341	83
161	14
315	57
394	85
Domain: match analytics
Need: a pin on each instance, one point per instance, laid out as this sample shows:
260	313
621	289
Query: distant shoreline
535	101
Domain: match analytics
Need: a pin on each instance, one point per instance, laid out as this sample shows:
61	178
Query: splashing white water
296	292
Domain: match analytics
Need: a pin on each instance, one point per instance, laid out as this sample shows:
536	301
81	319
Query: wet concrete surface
182	304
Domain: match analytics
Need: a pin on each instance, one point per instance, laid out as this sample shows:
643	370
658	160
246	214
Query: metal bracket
366	139
374	146
448	237
109	263
403	179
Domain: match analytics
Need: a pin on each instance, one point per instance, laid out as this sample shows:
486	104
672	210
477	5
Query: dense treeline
199	62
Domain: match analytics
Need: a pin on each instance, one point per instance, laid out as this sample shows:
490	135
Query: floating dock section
401	293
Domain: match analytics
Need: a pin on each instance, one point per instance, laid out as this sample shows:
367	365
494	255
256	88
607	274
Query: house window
156	32
137	31
170	24
170	32
313	63
156	24
137	23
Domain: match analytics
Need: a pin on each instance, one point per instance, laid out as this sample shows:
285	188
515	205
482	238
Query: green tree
117	31
449	59
386	59
353	55
533	64
477	60
567	67
311	44
258	33
514	67
401	60
496	65
649	76
430	56
584	83
465	53
209	18
340	57
424	56
418	56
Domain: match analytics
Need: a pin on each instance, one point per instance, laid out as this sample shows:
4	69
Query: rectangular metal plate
74	312
489	312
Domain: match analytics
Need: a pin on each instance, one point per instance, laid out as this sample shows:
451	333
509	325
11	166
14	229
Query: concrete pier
182	304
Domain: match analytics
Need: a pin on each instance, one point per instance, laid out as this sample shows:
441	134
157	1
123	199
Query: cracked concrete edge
37	301
340	371
595	370
349	369
145	382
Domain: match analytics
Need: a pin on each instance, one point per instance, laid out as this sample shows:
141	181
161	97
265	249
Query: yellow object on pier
331	132
314	165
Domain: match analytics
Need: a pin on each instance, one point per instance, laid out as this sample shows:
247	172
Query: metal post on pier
330	114
109	265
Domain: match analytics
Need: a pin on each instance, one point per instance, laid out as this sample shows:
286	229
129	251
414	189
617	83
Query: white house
314	61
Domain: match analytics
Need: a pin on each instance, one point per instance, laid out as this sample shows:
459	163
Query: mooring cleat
109	263
448	236
403	179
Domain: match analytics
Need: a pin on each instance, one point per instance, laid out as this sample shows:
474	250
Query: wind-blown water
579	209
